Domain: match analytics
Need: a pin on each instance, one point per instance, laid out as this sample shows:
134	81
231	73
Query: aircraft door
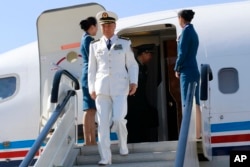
59	37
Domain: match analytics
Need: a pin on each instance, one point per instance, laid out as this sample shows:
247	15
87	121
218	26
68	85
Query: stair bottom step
131	158
138	164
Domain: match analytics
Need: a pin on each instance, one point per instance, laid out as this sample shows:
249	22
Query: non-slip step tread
132	157
135	147
137	164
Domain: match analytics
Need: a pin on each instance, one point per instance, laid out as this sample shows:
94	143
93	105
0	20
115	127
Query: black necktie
109	44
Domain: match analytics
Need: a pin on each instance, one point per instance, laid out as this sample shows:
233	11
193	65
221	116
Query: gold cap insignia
105	15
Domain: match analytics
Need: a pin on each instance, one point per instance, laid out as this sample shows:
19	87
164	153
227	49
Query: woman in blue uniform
89	26
186	67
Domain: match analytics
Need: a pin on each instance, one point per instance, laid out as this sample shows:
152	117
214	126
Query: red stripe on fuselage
230	138
15	154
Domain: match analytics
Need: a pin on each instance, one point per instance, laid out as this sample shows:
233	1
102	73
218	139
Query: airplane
27	72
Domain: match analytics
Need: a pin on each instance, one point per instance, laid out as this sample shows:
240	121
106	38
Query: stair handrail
56	84
206	77
55	114
45	131
183	137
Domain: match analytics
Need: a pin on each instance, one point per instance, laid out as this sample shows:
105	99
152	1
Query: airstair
62	148
156	154
149	154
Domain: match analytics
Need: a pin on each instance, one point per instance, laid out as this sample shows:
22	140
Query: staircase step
131	158
135	147
155	154
138	164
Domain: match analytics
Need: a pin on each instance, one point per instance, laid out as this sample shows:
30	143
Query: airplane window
228	80
7	87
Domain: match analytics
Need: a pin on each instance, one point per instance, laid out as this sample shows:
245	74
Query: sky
18	18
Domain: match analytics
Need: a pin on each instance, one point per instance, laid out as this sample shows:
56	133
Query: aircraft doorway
162	88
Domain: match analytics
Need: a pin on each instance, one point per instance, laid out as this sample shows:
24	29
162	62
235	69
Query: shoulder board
95	41
123	38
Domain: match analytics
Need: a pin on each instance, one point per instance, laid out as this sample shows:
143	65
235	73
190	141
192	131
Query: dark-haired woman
186	67
89	26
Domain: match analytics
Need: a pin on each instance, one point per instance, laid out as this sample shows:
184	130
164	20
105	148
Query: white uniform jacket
111	71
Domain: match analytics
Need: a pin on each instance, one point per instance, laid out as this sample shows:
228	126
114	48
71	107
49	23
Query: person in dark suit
139	111
89	26
186	67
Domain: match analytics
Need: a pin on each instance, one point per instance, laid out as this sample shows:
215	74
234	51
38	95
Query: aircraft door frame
59	37
157	34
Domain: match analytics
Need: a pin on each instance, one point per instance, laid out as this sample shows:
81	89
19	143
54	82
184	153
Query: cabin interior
163	89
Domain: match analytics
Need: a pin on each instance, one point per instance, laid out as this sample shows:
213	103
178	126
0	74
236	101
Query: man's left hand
132	88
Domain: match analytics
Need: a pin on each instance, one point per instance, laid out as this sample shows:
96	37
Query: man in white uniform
112	76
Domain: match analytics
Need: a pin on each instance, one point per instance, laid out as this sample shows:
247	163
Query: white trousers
114	107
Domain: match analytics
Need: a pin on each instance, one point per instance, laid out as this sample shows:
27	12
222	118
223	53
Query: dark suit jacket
140	112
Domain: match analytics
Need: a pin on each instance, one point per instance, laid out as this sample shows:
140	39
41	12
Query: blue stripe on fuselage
232	126
18	144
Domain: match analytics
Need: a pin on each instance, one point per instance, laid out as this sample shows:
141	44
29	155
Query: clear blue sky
18	18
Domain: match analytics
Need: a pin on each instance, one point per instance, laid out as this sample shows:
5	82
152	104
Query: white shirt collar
112	39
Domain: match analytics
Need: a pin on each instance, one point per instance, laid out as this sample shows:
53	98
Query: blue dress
88	103
186	62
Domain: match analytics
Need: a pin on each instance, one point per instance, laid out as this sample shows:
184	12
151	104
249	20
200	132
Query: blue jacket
85	42
187	49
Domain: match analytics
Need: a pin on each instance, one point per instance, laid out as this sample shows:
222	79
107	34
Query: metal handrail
39	141
56	82
57	112
183	138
